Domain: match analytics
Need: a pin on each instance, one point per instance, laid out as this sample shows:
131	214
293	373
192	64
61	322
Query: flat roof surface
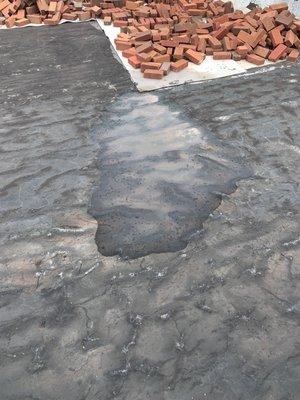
148	241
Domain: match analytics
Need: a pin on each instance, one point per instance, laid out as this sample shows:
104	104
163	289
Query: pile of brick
162	35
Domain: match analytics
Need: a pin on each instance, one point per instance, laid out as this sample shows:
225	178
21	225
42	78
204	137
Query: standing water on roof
160	178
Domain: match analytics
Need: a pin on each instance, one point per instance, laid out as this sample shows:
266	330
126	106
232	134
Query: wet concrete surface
216	314
161	176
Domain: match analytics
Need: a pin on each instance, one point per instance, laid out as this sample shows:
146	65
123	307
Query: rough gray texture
217	320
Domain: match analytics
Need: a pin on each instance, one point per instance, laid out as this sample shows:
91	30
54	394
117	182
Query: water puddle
160	178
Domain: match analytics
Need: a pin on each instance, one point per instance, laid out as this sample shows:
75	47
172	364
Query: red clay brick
242	50
159	31
277	52
150	65
134	62
153	74
276	36
268	23
162	58
144	57
165	67
293	56
179	65
222	55
194	56
262	51
255	59
129	52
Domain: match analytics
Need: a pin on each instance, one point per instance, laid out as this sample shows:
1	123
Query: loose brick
134	62
179	65
242	50
84	15
222	55
268	23
277	52
22	22
143	57
165	67
162	58
276	36
262	51
69	16
10	22
293	56
161	30
150	65
35	18
214	43
159	48
129	52
194	56
255	59
153	74
279	6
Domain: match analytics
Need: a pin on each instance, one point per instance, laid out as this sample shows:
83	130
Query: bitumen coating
148	241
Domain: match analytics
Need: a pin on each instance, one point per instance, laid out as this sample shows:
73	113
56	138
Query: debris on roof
168	34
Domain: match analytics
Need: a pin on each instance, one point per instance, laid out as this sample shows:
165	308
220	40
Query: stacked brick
165	35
